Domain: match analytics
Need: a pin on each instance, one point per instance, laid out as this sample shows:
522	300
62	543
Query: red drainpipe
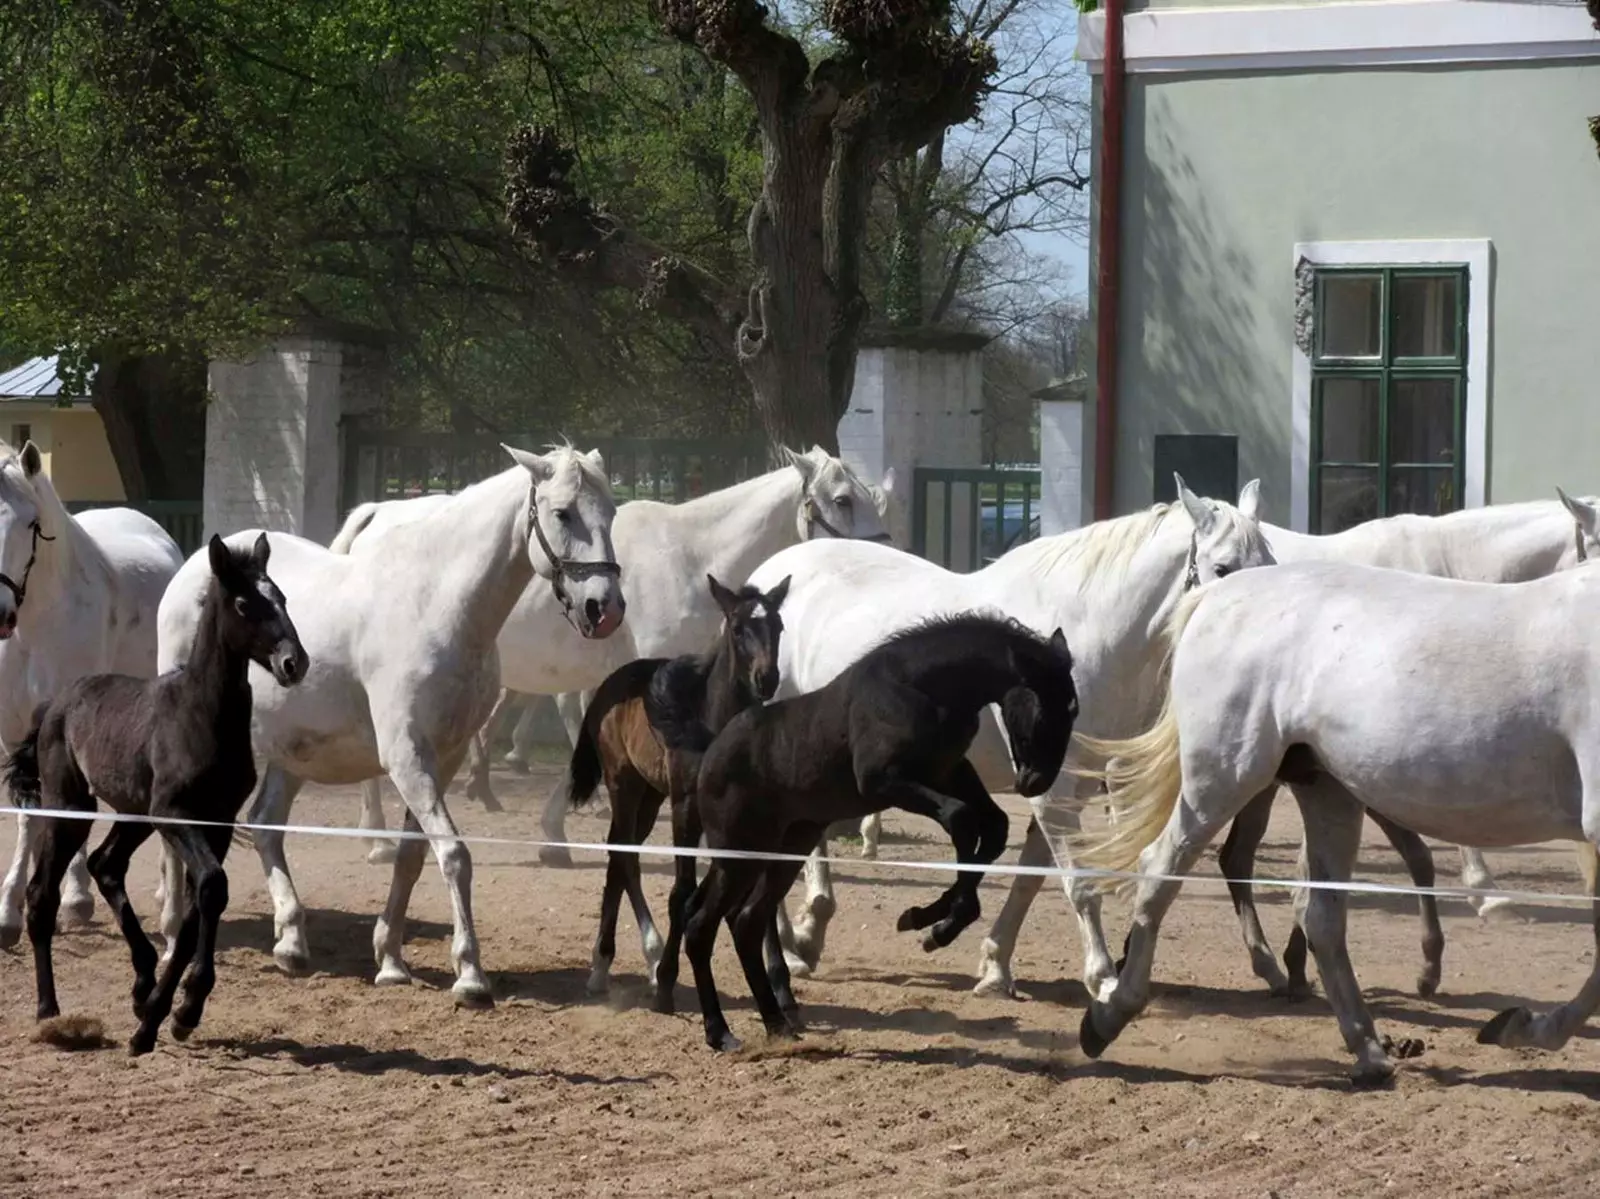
1108	274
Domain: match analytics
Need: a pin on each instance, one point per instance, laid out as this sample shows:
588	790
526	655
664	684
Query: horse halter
562	569
1577	537
1191	576
20	590
814	520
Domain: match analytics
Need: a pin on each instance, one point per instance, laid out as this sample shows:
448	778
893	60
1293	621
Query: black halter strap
1191	576
1577	537
562	569
815	520
20	590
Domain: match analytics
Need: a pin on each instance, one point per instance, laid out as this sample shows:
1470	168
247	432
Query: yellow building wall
72	442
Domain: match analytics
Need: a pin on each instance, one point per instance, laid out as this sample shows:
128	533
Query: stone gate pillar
1062	444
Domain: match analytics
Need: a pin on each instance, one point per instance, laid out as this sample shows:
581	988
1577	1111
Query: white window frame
1478	255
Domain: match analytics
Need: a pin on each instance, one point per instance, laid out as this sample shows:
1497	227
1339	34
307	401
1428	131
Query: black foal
891	731
177	746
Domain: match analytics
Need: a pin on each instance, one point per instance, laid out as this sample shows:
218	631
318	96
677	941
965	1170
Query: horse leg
478	786
208	847
977	827
871	830
1238	862
752	926
644	820
521	753
1332	818
382	849
77	896
109	865
725	885
1059	822
605	944
553	821
685	835
994	956
1475	874
59	841
183	943
1419	861
810	930
15	885
413	770
1174	852
272	803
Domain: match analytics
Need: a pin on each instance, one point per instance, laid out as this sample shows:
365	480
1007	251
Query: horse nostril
591	611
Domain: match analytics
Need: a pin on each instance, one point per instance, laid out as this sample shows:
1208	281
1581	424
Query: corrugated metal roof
35	379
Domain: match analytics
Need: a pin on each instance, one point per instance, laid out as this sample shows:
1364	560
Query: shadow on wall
1197	347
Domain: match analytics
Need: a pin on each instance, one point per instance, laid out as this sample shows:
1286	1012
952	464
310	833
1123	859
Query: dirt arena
907	1084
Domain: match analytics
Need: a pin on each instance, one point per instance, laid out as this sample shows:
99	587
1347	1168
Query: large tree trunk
153	407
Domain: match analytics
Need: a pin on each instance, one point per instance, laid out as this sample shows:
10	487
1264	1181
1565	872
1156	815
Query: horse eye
241	606
1222	571
843	501
564	515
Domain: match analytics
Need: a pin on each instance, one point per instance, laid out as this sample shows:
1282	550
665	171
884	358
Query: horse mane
1105	547
980	621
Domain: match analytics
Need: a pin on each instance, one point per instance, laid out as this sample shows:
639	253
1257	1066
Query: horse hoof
80	913
910	919
382	855
516	762
10	935
724	1042
182	1032
392	975
141	1043
598	985
869	853
1369	1075
294	964
798	966
486	797
1497	910
1427	985
1089	1038
475	997
558	858
1500	1029
665	1005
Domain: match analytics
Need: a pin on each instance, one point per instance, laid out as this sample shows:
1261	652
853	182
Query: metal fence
964	518
388	464
181	518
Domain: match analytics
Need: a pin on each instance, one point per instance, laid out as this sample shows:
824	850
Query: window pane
1349	496
1347	316
1349	414
1424	490
1422	422
1425	316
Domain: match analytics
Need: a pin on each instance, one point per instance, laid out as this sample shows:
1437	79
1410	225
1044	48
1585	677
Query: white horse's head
20	529
834	501
1586	536
570	510
1226	538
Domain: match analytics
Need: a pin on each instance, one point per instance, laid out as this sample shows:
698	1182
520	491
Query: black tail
627	682
22	773
676	703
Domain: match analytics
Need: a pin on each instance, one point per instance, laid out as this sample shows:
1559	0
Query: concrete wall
1225	173
918	402
1063	452
72	442
272	440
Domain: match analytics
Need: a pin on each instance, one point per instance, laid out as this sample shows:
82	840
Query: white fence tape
672	851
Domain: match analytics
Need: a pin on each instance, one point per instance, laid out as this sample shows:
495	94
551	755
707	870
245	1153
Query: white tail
360	517
1143	775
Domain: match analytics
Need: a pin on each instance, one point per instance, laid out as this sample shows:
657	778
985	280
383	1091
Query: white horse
78	596
1110	586
666	551
1465	711
404	670
1505	543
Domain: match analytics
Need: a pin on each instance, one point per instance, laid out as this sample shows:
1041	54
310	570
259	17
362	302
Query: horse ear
598	461
887	486
221	558
1058	639
260	552
32	461
776	596
1250	500
1199	510
726	600
1585	513
806	467
537	465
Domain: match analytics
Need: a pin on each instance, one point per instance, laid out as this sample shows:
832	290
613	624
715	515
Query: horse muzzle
289	664
1032	782
597	619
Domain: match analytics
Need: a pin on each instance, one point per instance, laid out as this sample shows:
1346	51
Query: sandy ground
908	1085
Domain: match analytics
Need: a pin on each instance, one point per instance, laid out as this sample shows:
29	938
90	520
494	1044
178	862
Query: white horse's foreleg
478	785
553	822
1059	821
1475	874
521	754
413	772
871	830
810	930
272	803
381	849
994	955
16	880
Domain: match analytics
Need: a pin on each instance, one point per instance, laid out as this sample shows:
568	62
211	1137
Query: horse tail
1143	775
360	517
623	684
674	705
1588	864
22	772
